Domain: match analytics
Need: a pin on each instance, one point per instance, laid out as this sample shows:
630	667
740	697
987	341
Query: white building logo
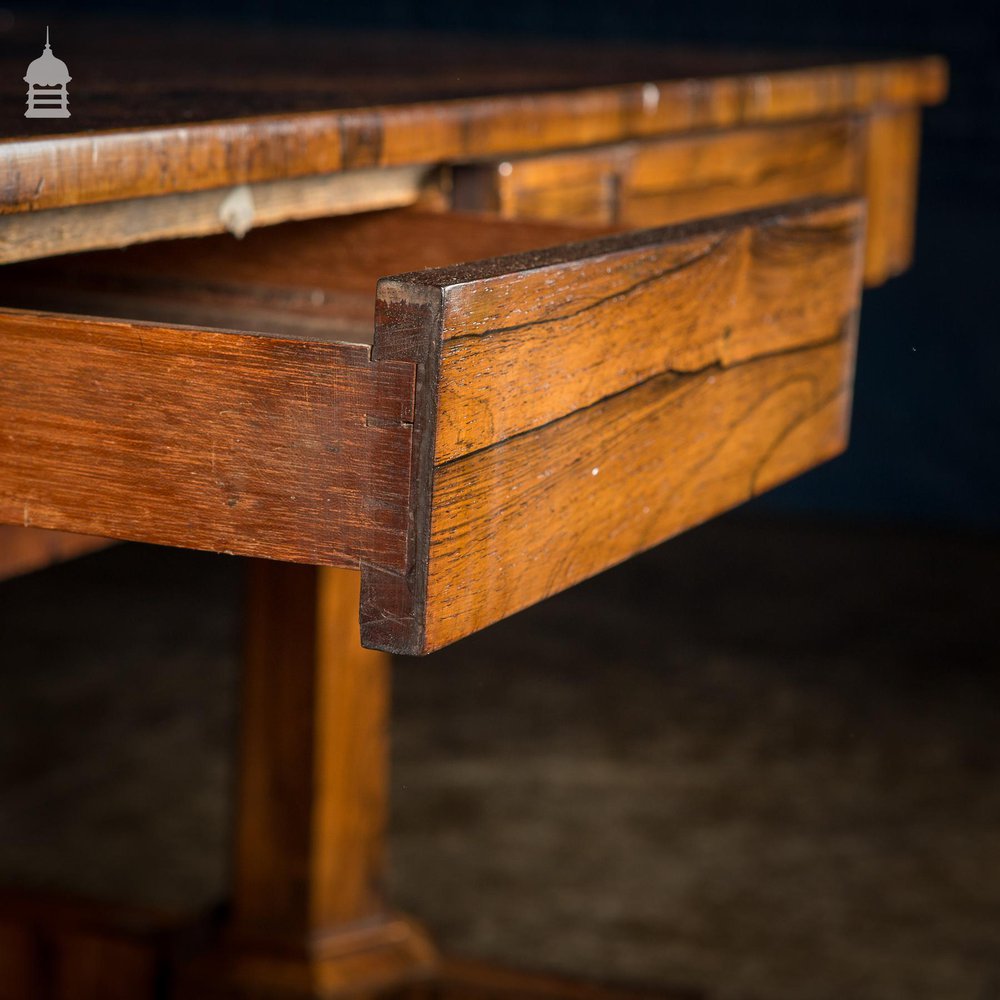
47	79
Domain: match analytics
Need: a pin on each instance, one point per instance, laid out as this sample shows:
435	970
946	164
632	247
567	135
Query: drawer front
585	403
657	182
516	424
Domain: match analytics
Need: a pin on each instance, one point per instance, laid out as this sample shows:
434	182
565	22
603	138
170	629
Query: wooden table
530	309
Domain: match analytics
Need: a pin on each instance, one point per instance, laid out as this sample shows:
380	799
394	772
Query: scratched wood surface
582	404
159	109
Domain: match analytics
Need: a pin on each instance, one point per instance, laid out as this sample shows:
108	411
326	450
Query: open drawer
504	429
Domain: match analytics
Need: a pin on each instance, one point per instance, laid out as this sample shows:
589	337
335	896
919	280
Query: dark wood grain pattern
294	448
171	108
872	154
581	404
221	441
660	181
509	427
444	460
521	520
523	347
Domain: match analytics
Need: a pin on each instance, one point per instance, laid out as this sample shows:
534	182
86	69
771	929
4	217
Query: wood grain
222	441
314	756
312	280
527	518
291	268
25	236
245	107
657	182
696	176
344	455
308	432
308	915
579	185
596	398
522	347
892	162
874	154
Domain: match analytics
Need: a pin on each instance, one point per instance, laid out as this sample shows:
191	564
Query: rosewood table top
190	107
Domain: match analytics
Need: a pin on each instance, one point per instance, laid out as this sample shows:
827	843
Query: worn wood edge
408	323
891	179
619	153
115	224
620	242
321	142
475	345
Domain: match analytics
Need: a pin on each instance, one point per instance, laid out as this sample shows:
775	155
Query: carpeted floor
762	759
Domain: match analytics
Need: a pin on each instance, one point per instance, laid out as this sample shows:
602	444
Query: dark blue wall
927	415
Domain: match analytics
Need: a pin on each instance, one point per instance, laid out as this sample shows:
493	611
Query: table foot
362	963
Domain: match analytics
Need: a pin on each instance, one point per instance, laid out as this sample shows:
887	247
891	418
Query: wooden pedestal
307	917
308	914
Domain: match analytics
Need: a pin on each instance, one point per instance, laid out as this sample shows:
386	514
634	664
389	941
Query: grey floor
761	759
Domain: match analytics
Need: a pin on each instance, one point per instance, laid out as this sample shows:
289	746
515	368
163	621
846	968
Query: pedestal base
55	948
359	963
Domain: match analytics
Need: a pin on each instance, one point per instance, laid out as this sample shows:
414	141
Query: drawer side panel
228	442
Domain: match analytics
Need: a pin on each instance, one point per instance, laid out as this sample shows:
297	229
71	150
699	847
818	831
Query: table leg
308	914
